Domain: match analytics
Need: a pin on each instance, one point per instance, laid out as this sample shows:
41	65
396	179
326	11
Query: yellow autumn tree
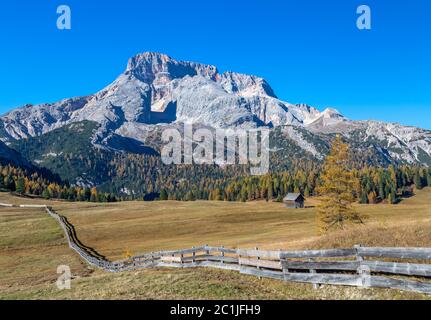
337	188
128	254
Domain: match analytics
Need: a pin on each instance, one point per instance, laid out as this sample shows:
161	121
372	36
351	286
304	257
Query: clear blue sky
309	51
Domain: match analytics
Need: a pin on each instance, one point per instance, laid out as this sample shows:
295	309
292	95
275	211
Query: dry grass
408	235
113	229
407	224
196	284
32	246
150	226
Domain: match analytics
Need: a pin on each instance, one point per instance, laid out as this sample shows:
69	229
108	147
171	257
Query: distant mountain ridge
156	91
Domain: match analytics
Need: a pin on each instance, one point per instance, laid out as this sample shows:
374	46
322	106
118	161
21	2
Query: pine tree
363	199
189	196
393	175
2	184
20	185
10	182
163	195
270	194
279	198
87	194
337	189
45	194
307	192
71	194
418	181
392	198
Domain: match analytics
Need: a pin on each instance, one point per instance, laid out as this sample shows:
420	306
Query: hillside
10	156
66	151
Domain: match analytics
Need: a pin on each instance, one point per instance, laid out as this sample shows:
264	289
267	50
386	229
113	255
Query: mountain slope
157	89
156	92
10	156
67	151
398	144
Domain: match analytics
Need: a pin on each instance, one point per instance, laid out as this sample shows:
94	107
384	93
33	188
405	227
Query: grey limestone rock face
157	91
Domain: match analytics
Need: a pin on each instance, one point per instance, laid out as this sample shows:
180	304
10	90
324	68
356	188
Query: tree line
24	181
149	179
372	185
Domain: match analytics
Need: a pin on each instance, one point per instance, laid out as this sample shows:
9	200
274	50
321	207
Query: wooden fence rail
345	267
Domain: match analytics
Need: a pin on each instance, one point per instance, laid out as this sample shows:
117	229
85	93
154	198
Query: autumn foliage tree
337	188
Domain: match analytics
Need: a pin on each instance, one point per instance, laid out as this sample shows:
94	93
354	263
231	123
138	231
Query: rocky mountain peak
245	85
156	91
331	113
150	66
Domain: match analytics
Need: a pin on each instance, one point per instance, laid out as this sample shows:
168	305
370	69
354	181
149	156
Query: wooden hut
294	200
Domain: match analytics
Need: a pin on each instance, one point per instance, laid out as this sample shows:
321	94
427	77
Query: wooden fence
357	266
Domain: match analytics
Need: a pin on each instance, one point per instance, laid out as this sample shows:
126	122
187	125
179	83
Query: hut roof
292	197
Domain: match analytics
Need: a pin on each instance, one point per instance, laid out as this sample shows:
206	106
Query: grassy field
32	246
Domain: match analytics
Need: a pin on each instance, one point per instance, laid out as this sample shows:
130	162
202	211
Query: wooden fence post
358	256
193	255
207	252
284	265
359	259
312	271
363	270
258	258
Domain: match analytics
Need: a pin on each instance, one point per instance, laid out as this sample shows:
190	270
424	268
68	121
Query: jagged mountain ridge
154	82
156	91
